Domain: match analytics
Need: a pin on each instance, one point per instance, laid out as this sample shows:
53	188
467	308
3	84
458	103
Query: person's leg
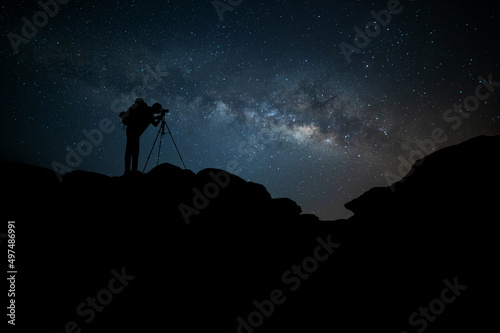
128	154
135	154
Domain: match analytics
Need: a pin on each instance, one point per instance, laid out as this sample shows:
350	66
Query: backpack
124	117
131	114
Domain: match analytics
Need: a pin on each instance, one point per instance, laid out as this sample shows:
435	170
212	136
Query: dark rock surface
174	250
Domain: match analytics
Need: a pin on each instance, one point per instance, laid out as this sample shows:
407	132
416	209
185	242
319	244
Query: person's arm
156	120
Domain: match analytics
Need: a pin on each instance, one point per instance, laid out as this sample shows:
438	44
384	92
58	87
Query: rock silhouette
172	249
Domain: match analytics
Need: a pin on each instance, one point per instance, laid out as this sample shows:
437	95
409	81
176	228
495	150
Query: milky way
263	89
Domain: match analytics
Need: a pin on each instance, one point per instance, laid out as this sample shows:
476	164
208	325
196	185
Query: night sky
278	92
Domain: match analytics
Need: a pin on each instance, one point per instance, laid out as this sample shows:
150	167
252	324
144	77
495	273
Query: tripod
161	131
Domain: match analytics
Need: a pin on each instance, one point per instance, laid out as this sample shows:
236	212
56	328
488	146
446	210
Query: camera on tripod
161	132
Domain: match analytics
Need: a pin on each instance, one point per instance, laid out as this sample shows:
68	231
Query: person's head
139	100
157	107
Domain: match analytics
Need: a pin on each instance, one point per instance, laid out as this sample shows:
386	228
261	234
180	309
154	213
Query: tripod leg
145	165
159	148
178	152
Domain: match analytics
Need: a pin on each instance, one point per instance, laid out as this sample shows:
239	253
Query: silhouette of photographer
137	119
